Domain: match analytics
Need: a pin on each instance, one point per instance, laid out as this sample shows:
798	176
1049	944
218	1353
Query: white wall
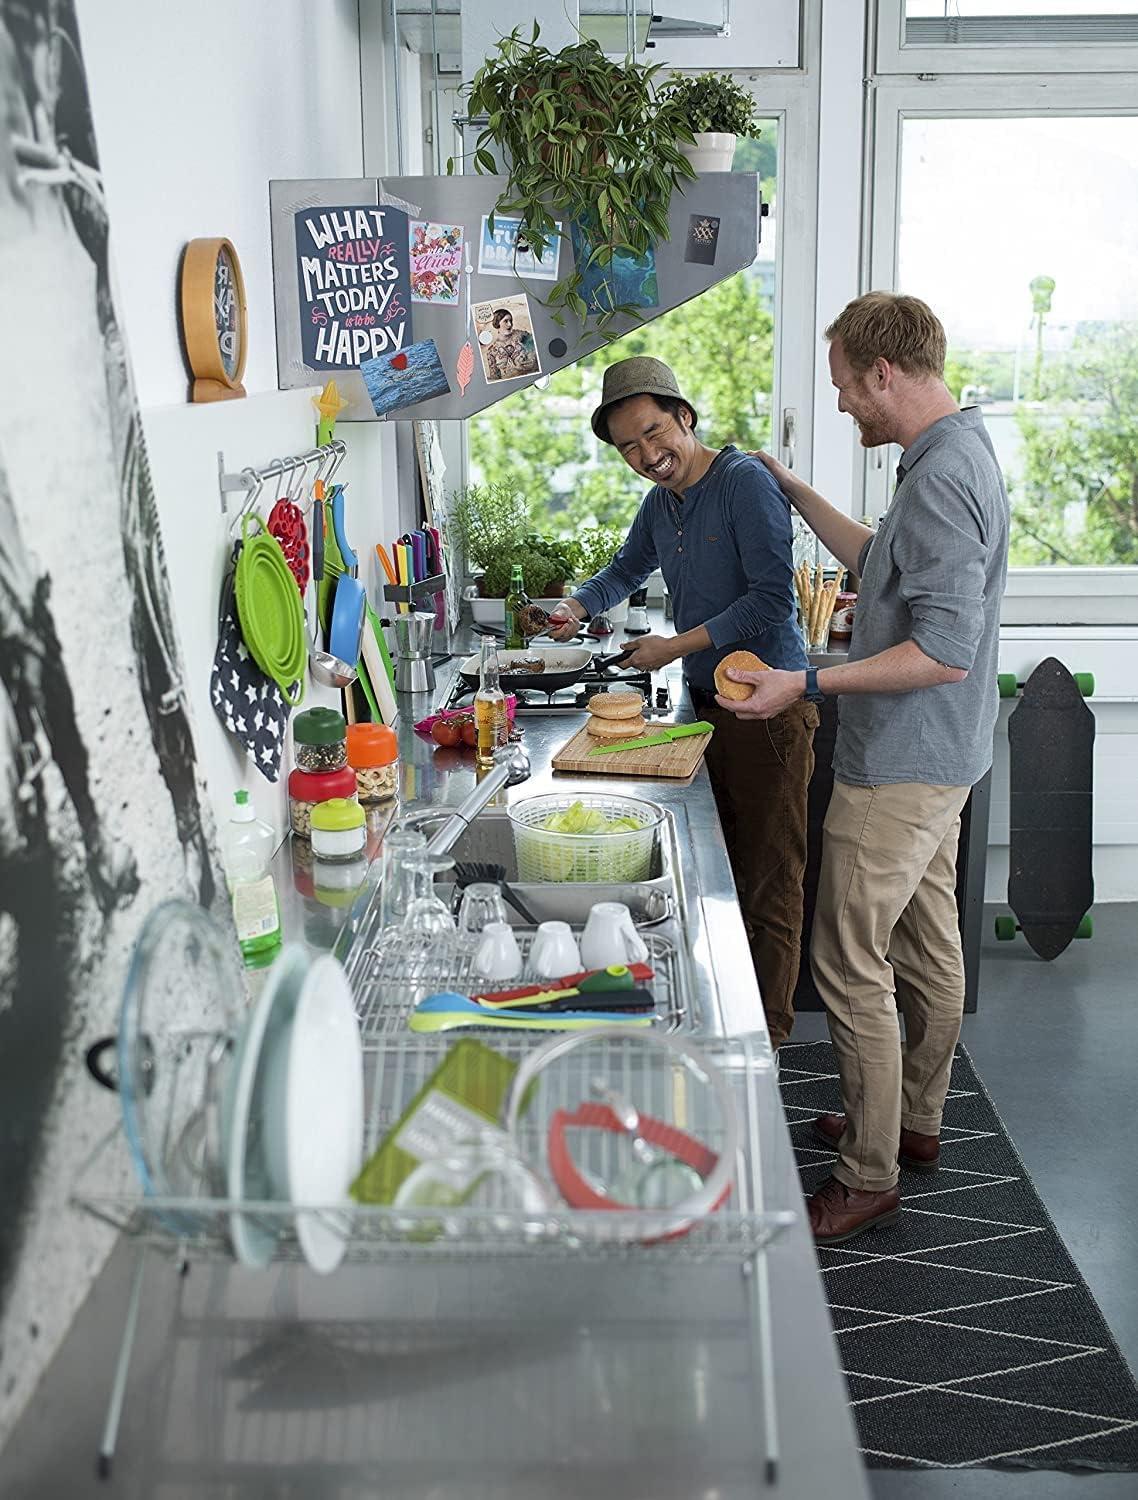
196	109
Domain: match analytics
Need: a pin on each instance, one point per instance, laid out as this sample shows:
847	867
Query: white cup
554	953
498	955
610	937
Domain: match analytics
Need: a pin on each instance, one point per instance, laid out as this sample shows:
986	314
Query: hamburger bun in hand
738	661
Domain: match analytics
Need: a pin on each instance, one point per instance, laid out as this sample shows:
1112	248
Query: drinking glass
481	904
397	890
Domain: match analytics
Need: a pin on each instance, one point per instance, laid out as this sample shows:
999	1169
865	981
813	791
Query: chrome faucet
511	766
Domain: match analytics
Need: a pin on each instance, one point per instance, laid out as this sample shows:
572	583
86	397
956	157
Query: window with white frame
1011	206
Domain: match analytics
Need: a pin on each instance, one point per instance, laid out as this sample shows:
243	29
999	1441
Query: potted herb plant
597	546
585	143
716	110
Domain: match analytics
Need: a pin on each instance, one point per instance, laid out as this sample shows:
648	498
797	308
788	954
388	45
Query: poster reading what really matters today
354	278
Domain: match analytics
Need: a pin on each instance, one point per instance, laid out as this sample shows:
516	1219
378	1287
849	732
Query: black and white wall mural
103	813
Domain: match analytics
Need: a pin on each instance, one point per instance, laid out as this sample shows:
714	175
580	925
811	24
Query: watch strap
814	693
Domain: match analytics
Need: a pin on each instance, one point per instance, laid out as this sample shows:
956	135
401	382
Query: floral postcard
436	262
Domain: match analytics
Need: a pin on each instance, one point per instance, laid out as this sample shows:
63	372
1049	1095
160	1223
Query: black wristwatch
814	693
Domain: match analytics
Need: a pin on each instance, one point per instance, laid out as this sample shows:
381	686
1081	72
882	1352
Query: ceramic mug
610	937
498	955
554	952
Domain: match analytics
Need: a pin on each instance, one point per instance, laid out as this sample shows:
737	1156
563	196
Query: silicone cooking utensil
447	1011
270	610
345	637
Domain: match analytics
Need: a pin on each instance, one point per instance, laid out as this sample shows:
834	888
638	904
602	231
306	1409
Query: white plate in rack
323	1110
247	1121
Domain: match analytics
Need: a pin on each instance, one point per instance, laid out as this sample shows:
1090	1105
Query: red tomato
445	732
470	733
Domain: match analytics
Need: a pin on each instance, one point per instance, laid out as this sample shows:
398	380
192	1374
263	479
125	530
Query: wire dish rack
398	972
198	1224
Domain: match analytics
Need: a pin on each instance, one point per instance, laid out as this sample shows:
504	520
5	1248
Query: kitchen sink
490	840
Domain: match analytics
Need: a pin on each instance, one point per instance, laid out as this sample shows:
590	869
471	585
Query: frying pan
564	665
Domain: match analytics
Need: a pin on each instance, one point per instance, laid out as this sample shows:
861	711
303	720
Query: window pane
721	346
1032	23
1022	234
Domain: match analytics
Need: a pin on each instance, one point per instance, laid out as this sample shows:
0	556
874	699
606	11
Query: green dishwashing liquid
247	852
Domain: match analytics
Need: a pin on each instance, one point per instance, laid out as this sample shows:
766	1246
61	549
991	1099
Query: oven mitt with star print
248	703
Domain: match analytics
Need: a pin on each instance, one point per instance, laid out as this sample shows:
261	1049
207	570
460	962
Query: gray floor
1056	1045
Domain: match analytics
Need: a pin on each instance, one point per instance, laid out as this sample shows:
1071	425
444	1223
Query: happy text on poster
354	278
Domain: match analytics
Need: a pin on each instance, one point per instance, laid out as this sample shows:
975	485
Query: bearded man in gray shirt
918	707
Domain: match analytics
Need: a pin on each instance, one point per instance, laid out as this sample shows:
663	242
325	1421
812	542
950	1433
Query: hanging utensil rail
323	461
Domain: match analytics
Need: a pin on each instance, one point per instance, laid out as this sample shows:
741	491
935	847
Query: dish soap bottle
517	602
489	707
247	851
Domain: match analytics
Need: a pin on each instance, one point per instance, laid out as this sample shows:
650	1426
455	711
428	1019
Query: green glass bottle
517	601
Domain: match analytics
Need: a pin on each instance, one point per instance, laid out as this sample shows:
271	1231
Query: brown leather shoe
918	1153
838	1213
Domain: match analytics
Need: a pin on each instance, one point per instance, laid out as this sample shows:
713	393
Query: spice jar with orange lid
373	754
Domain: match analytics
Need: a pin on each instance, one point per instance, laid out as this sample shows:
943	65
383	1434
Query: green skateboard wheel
1086	927
1006	929
1006	682
1085	682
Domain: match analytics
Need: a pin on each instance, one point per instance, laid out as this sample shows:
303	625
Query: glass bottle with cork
489	707
517	602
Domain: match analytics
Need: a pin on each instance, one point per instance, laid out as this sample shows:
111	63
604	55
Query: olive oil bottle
489	706
517	602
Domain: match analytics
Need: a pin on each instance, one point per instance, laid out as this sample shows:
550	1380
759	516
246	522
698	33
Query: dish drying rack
196	1226
394	974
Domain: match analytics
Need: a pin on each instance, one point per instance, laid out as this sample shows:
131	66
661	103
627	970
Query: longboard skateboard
1051	736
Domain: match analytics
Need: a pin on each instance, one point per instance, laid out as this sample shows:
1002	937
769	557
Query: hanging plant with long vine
586	141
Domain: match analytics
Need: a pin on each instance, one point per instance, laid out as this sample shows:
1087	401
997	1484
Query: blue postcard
412	375
500	255
627	280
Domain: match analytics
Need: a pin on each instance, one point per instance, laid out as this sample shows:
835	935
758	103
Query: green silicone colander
270	610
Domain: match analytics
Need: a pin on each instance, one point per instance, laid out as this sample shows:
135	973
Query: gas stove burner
575	698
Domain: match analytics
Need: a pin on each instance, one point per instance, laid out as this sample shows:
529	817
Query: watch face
227	312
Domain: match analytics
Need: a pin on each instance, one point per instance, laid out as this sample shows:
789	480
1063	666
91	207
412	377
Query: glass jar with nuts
307	789
373	754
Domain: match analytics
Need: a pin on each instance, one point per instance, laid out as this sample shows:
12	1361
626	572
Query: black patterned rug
966	1334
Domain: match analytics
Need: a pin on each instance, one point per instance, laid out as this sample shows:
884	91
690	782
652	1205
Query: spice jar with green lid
319	739
339	829
373	754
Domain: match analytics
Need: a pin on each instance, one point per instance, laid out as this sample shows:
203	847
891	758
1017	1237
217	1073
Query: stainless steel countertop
480	1381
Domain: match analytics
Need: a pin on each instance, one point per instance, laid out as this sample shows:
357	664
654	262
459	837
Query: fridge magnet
558	348
403	379
501	254
627	280
354	281
436	262
703	239
504	329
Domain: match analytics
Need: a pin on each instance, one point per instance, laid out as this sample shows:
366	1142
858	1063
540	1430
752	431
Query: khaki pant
760	773
885	939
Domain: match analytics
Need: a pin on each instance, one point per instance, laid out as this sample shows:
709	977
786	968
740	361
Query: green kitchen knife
661	737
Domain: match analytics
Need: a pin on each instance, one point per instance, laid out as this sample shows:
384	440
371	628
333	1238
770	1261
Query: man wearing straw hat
918	707
719	529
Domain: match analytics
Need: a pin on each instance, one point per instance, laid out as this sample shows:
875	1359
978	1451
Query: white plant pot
714	151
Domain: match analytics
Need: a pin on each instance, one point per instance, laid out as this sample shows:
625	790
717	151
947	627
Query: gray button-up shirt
933	573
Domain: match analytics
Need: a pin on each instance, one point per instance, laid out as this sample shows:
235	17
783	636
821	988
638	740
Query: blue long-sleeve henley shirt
725	553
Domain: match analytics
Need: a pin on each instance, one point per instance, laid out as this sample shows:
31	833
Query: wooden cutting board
677	760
